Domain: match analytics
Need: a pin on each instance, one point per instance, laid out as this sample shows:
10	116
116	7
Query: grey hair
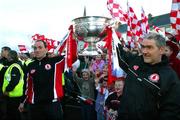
158	38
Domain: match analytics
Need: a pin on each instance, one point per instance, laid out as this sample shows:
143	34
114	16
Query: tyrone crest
154	77
47	66
32	71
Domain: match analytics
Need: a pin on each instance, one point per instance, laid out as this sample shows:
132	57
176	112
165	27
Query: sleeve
1	74
1	66
178	68
107	102
15	77
124	57
106	94
170	102
76	78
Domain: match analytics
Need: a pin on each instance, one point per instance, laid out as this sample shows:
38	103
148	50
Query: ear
162	50
46	49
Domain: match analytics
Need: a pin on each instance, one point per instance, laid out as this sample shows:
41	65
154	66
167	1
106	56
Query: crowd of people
34	86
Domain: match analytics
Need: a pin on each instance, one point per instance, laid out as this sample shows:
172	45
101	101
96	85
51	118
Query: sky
21	19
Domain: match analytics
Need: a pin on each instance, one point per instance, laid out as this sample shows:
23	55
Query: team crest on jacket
47	66
135	67
154	77
32	71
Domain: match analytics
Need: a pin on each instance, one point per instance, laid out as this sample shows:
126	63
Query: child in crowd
87	93
113	100
102	94
98	63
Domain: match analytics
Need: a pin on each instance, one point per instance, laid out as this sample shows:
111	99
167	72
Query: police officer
13	85
4	61
2	101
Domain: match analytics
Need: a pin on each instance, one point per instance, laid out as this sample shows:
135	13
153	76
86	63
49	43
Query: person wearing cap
4	61
12	86
171	52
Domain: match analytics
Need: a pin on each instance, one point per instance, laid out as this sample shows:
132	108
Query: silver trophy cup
90	29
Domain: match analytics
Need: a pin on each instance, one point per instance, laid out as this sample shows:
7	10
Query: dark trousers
12	108
2	108
48	111
88	111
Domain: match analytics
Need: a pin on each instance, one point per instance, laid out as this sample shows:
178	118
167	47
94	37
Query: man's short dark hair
45	44
13	55
6	48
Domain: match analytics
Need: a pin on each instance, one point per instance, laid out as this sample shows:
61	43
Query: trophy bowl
90	29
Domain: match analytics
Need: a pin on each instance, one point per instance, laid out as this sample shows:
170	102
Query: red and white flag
144	22
71	50
51	44
62	45
116	10
22	48
175	16
157	29
38	37
117	72
134	31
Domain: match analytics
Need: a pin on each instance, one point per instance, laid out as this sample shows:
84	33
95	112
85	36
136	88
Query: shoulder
32	62
56	58
169	77
15	67
167	72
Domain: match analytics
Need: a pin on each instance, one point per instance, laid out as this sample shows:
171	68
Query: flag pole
84	11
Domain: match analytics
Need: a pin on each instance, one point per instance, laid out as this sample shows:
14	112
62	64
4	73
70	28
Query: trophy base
91	51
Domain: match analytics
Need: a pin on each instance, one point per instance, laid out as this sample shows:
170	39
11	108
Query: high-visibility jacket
28	61
18	89
1	66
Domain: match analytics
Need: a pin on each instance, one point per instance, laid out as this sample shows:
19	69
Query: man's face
151	52
9	58
119	86
168	51
39	50
4	53
98	57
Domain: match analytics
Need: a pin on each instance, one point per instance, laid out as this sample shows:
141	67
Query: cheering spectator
171	52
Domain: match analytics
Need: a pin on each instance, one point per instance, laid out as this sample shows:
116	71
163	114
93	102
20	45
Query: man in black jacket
3	60
152	88
44	90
